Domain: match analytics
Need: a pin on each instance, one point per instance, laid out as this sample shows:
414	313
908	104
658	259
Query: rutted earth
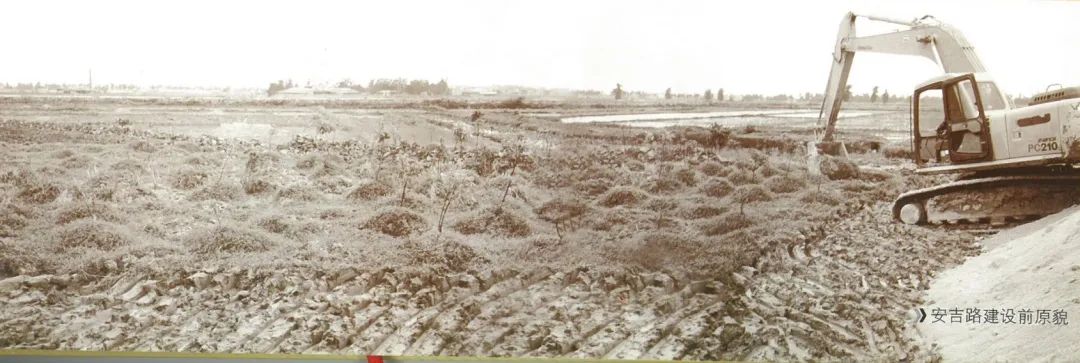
835	282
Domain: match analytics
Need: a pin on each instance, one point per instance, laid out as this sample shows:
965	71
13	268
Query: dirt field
418	230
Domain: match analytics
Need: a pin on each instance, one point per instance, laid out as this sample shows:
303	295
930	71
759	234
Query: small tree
874	95
407	169
512	157
618	91
708	95
667	94
448	189
885	97
720	95
747	194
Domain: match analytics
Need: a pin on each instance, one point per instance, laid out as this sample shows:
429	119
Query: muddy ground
426	231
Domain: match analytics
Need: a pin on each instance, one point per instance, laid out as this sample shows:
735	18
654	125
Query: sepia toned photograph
526	180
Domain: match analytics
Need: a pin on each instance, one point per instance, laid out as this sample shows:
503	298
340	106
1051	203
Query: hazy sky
744	46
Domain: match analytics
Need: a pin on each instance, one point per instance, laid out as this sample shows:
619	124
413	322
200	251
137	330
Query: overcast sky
743	46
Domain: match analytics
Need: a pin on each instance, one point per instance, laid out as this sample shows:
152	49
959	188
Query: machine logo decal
1033	120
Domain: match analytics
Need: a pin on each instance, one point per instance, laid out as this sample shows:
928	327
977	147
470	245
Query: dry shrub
63	154
228	239
200	160
78	211
333	184
718	188
143	146
873	175
542	248
321	164
728	222
785	184
262	161
396	222
826	197
18	260
661	251
128	165
253	186
38	192
13	218
496	221
702	211
622	196
274	224
370	191
115	186
663	185
593	187
217	191
188	179
19	177
92	234
324	128
448	253
743	177
767	170
686	176
299	192
838	168
75	162
562	211
713	168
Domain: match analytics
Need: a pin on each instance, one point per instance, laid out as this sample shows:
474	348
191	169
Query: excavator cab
950	125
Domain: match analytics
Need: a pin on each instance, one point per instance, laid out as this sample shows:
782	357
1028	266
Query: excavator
1013	163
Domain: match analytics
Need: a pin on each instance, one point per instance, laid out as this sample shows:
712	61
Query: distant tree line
399	85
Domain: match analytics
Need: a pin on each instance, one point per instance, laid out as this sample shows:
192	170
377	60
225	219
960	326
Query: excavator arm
925	37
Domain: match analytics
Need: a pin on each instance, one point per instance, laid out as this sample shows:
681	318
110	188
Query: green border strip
87	353
357	358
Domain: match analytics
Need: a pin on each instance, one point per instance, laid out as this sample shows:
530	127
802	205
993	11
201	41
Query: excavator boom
926	37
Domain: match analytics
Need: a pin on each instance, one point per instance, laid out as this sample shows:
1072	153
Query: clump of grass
63	154
784	184
767	170
321	164
496	221
188	179
622	196
128	165
199	160
11	221
17	260
92	234
217	191
396	222
143	146
826	197
713	168
224	239
448	253
743	177
332	184
78	211
718	187
299	192
663	185
728	222
262	161
254	186
370	191
661	251
687	176
38	192
701	212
